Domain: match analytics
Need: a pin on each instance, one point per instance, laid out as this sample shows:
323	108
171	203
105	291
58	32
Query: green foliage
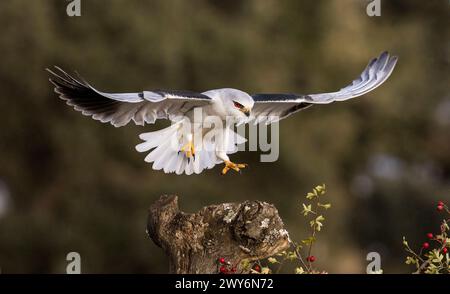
430	260
304	262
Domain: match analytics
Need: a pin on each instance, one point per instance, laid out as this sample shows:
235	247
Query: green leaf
310	195
317	223
411	260
309	241
436	256
245	264
445	225
326	206
432	269
405	243
307	209
320	189
291	256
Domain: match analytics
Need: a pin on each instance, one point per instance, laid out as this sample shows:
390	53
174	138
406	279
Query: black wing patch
273	107
120	108
77	93
182	94
277	97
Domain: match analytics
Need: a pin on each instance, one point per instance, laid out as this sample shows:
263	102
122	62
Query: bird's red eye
238	105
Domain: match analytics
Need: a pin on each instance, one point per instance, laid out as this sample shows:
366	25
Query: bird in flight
176	149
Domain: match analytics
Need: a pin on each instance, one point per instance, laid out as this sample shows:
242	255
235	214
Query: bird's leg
188	148
229	164
234	166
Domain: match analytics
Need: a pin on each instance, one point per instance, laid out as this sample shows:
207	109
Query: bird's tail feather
164	151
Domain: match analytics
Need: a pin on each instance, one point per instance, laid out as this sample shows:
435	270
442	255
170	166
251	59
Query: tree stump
235	231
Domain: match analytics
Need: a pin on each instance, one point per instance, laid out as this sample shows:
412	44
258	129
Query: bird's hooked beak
246	111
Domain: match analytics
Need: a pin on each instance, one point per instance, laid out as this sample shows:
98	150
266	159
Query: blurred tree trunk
235	231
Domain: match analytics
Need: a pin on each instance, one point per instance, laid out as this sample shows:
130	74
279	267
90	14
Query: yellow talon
234	166
188	149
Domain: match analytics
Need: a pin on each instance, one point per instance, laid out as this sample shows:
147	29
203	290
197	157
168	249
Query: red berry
444	250
440	207
440	203
223	269
311	258
430	236
257	268
425	245
222	260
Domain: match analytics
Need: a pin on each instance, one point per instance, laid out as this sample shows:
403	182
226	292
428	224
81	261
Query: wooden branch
235	231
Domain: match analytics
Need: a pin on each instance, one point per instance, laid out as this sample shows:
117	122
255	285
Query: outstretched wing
270	108
120	108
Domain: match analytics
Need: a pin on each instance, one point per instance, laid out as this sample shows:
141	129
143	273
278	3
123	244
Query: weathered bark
235	231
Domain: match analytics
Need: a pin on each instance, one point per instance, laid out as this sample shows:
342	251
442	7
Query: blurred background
69	183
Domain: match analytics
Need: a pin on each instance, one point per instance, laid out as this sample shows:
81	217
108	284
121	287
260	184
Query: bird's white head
233	102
